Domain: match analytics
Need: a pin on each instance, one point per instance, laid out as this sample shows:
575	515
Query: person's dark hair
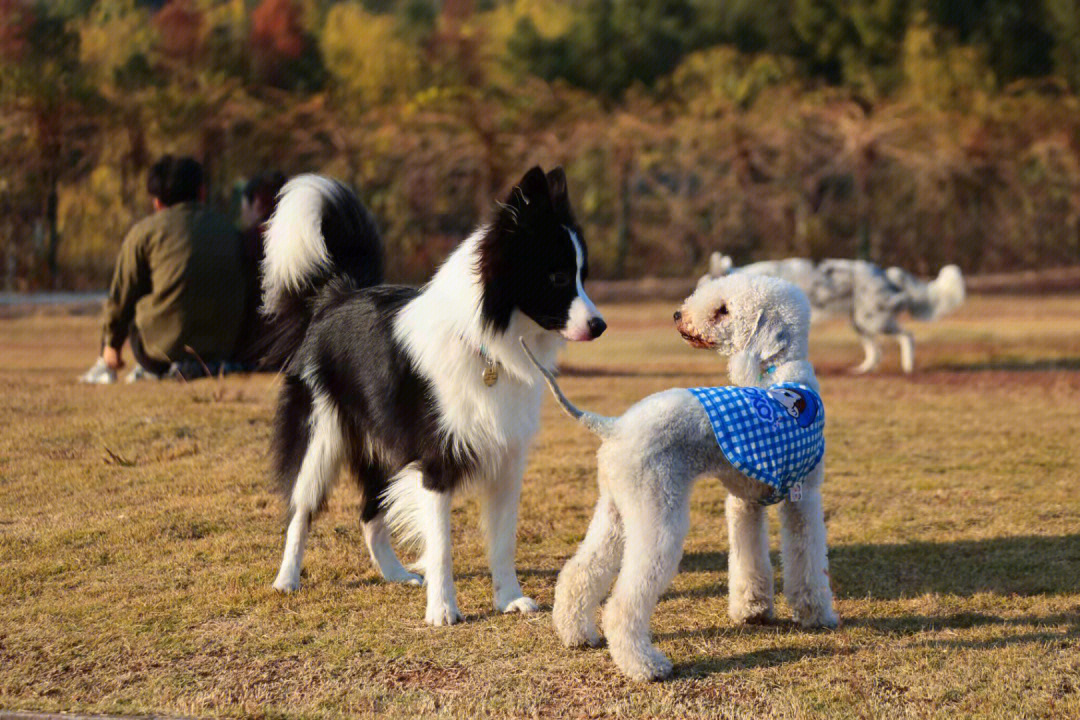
264	188
175	180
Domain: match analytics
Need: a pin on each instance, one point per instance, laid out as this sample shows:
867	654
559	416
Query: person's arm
131	280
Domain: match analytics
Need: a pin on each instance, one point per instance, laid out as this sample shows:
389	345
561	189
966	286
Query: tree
1015	33
49	108
1066	28
367	61
611	45
283	54
856	42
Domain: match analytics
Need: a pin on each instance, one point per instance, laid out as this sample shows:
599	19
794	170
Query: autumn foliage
918	132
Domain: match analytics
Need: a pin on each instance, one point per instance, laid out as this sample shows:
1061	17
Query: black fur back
386	408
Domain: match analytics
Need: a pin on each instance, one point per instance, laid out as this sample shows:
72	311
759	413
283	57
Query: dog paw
761	618
287	583
590	637
579	636
755	613
405	577
442	613
650	666
818	618
523	605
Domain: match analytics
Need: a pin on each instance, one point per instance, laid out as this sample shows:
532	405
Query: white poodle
761	437
871	296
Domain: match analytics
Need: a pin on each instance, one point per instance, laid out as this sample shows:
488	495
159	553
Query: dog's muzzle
689	336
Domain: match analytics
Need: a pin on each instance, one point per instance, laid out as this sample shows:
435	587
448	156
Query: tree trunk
623	236
53	248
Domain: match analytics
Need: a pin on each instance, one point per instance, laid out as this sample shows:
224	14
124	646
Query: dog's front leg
288	577
805	557
873	354
500	499
907	350
750	574
438	560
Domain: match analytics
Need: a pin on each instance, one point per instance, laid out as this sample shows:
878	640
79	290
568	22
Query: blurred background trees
916	132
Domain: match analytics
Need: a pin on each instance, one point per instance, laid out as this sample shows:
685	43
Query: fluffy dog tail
320	240
599	424
947	291
929	300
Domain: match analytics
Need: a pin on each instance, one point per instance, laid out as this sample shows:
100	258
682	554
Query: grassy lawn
139	535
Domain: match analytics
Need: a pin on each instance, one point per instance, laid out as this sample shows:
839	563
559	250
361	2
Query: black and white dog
418	393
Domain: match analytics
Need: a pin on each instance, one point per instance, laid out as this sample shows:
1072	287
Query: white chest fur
442	330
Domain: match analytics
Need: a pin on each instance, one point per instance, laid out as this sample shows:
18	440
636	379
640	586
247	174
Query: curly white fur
647	465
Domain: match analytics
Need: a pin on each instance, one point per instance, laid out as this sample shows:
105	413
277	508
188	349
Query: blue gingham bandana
773	435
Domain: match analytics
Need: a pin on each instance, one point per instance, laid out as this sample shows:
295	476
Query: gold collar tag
491	373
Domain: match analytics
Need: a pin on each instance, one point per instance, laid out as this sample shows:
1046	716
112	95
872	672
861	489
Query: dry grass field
139	535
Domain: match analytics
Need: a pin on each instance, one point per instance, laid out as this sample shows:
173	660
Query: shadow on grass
909	625
588	371
913	624
765	658
1024	565
1012	364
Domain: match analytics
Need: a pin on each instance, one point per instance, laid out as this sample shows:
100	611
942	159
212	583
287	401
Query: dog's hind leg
873	354
907	350
655	528
372	480
587	577
805	557
750	574
377	538
319	469
499	497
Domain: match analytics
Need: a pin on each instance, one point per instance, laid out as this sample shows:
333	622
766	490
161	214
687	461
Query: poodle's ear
768	340
774	344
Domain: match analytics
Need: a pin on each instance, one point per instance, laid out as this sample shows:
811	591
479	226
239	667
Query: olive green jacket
180	278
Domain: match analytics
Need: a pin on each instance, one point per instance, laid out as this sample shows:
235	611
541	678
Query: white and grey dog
872	297
652	455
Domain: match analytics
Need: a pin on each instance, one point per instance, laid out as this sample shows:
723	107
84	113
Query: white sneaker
140	373
99	374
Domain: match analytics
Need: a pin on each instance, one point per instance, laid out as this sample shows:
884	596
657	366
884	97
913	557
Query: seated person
258	200
178	292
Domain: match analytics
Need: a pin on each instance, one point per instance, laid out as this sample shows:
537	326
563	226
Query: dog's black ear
560	198
532	188
556	180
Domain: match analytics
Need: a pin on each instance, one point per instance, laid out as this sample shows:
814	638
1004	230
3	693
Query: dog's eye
721	312
560	279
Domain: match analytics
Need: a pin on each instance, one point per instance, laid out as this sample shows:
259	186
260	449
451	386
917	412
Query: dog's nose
678	315
597	326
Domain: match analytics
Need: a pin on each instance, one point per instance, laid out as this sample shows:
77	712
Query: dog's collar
491	367
490	375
